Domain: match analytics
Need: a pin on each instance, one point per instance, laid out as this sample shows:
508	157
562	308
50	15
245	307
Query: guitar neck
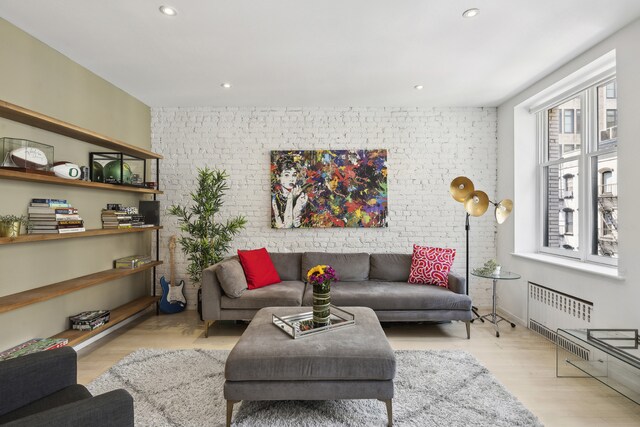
172	248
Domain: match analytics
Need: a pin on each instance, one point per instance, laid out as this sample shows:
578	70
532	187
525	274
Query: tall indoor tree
206	241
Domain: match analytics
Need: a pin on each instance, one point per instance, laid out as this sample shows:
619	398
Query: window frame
589	151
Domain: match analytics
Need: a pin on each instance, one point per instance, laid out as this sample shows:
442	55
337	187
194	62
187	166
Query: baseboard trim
512	317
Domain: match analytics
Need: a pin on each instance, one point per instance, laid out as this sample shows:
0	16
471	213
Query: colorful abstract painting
329	188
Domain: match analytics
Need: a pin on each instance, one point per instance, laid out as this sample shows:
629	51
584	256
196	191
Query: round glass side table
493	317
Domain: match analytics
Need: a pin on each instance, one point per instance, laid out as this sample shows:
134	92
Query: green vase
321	302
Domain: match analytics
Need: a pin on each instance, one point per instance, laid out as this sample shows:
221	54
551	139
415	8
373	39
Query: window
567	124
612	118
578	161
568	221
612	90
607	182
568	187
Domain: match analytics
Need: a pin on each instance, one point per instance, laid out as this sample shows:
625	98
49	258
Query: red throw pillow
258	268
431	265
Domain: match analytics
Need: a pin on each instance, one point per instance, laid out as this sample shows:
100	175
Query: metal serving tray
301	325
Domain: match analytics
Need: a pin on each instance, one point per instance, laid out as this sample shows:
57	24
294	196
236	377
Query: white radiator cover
549	310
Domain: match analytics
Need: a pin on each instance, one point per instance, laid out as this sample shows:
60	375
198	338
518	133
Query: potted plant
489	267
10	225
207	241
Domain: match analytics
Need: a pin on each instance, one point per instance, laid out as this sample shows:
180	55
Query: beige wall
39	78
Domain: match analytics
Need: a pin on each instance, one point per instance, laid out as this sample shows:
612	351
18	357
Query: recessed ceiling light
470	13
168	10
226	85
418	87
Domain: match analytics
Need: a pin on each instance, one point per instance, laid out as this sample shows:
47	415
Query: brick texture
427	148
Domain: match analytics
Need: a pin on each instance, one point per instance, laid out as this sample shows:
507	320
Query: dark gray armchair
41	389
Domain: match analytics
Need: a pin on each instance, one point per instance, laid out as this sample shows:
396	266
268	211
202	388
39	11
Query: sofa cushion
350	267
258	268
431	265
287	264
381	295
390	267
288	293
231	277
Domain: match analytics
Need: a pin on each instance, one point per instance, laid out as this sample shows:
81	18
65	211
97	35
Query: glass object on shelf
22	154
133	261
117	168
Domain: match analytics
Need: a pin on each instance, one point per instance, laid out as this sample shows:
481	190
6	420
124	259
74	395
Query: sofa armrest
112	409
457	283
211	293
31	377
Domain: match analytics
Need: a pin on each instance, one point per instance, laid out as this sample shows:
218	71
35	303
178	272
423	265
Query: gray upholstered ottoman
356	362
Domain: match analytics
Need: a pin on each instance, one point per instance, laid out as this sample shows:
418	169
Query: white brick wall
427	149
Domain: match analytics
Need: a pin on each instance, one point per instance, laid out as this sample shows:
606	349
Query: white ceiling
321	52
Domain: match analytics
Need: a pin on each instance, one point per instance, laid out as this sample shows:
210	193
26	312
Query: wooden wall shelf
44	293
27	238
116	316
47	179
41	121
21	299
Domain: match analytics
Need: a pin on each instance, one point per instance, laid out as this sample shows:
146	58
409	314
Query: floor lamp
476	203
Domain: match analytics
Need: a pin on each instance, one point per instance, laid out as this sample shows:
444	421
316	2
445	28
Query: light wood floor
520	359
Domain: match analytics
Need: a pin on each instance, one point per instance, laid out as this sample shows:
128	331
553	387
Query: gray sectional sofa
377	281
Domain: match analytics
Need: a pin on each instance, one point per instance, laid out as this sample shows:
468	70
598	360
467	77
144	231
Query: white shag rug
432	388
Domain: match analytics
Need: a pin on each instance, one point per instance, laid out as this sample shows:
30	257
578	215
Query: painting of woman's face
288	178
328	188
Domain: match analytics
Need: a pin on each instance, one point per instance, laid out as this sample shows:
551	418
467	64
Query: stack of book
115	219
89	320
53	216
33	346
137	220
119	216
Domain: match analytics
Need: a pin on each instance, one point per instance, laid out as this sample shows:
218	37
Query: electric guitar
173	300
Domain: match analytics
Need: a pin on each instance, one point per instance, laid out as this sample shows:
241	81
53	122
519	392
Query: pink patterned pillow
431	265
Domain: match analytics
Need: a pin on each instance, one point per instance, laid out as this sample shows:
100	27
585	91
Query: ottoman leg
230	404
389	411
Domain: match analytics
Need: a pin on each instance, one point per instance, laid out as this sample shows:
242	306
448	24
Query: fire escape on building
608	209
608	204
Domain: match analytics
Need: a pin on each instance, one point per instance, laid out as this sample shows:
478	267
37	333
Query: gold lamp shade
460	188
503	210
476	203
